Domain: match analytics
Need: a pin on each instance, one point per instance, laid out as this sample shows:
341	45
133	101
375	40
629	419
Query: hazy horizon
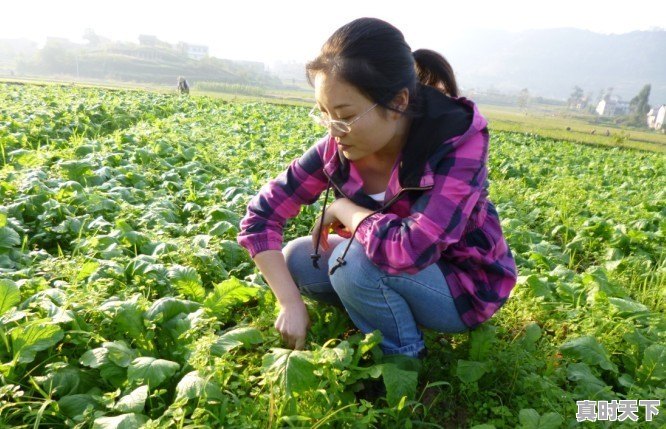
268	32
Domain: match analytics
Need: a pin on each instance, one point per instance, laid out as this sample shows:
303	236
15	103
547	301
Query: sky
271	31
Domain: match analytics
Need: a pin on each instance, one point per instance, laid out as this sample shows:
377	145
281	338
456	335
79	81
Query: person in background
183	87
416	243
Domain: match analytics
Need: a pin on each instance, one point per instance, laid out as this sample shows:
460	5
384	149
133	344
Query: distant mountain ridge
149	61
551	62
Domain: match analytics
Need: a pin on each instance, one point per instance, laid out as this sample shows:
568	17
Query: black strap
316	256
341	259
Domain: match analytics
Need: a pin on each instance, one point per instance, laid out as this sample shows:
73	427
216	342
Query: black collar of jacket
436	119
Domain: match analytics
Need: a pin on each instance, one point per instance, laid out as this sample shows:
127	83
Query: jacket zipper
341	260
390	202
396	196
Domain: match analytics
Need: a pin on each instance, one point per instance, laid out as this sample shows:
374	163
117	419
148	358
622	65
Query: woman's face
370	134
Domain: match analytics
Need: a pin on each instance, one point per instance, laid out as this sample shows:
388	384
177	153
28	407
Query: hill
551	62
122	61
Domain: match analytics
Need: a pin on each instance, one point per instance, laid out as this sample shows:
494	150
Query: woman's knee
357	268
297	255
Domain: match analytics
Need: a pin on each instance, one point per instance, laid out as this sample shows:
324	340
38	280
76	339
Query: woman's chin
349	154
352	156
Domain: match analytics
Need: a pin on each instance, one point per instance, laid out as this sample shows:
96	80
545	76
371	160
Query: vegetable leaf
153	371
166	308
227	294
588	350
123	421
75	405
470	371
653	367
399	383
9	238
292	370
133	402
530	419
9	295
187	281
29	339
192	385
236	338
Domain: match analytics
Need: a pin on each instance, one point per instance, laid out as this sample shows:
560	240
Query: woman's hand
330	221
292	323
323	243
342	215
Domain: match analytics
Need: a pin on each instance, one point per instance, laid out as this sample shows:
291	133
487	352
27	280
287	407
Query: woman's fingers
293	341
292	323
323	240
299	343
288	339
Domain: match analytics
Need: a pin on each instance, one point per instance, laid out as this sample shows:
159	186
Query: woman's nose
336	132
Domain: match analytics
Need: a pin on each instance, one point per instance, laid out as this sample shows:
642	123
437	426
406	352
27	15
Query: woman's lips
341	145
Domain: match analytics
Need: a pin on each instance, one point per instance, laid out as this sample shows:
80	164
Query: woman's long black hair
372	55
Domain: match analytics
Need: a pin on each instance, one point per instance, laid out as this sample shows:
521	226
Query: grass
553	123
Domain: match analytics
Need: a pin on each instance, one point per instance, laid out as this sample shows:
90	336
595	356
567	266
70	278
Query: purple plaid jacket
435	210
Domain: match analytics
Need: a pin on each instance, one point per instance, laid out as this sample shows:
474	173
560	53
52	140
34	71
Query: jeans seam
421	284
430	289
395	320
409	348
312	284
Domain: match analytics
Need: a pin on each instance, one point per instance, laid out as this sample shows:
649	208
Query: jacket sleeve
280	199
437	219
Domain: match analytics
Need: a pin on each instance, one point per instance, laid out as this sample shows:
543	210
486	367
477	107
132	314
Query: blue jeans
396	305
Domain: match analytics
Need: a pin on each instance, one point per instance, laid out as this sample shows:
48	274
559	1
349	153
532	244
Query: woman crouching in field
418	243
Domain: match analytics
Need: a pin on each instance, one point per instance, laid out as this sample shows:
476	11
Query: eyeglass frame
319	119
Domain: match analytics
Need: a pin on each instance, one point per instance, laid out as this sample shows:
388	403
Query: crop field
563	124
125	301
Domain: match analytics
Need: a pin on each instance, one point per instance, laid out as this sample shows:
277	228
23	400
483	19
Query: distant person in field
415	241
183	87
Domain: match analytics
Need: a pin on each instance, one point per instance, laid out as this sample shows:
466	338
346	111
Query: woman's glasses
341	126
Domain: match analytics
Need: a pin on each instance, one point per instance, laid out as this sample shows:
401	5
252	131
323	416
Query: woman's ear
401	100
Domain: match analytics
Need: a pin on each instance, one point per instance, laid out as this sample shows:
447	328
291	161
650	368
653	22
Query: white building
612	107
651	116
196	52
655	117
